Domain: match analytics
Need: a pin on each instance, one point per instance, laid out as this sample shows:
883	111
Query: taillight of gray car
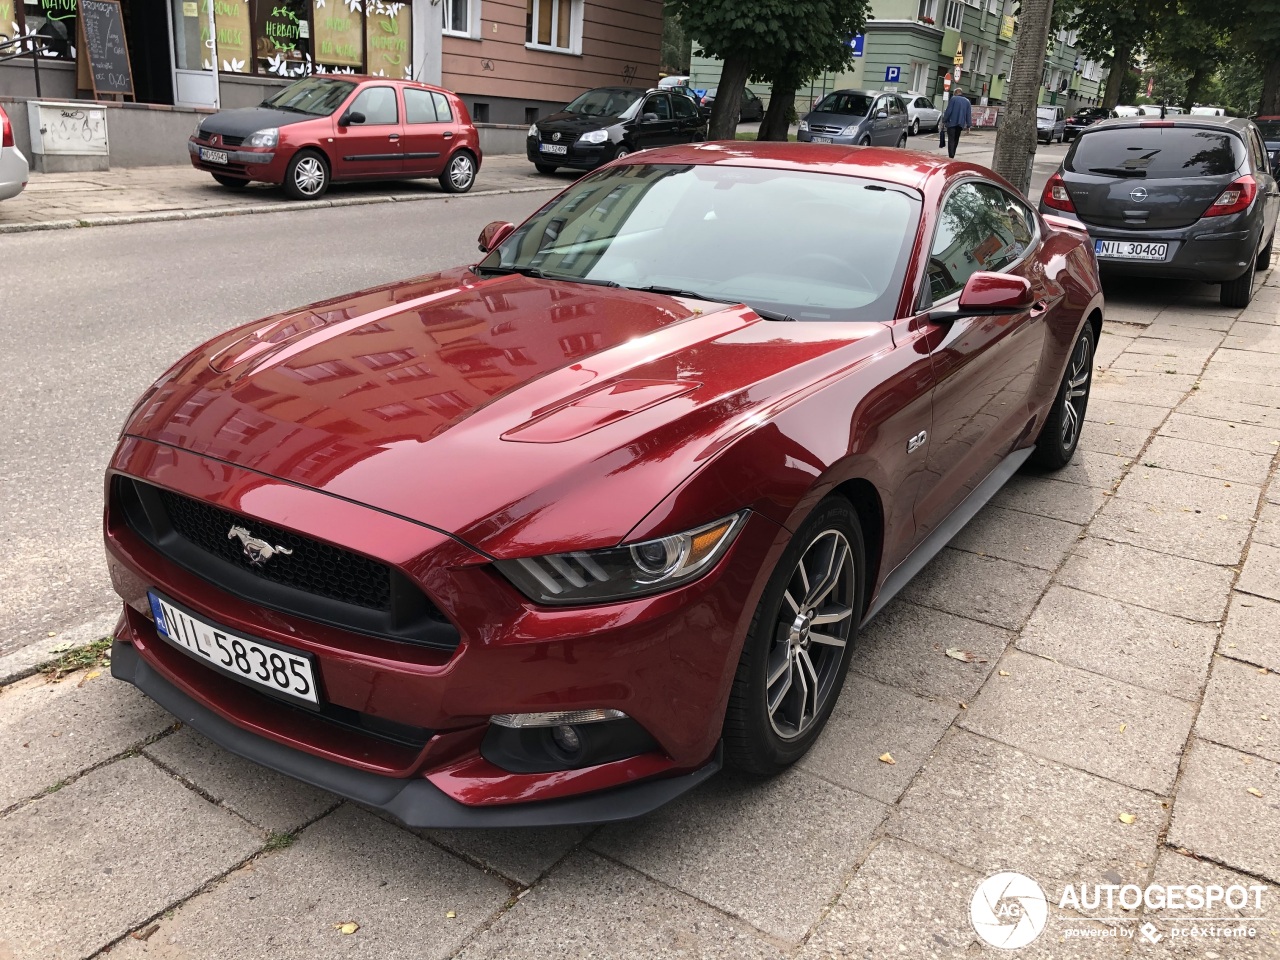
1193	198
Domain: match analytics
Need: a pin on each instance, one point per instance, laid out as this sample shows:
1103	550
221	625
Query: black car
1188	197
752	108
1084	117
610	122
1269	127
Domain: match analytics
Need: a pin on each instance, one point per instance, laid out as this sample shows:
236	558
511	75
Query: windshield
315	95
1270	129
849	104
1156	152
807	246
1047	113
605	102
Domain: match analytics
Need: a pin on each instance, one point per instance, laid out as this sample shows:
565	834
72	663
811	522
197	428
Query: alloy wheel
308	176
461	172
1079	371
814	624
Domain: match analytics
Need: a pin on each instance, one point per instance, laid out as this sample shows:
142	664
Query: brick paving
1119	725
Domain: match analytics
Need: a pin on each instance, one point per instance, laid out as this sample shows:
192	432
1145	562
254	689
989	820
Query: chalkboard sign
103	48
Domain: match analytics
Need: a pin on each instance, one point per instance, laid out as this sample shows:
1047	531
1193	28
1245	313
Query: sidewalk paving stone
1266	528
992	807
1100	470
1122	641
1114	438
1242	436
1160	362
995	591
1242	709
88	863
913	903
267	799
773	853
349	867
870	720
1211	460
589	907
1025	538
1255	337
1252	631
1215	816
1174	530
1146	346
1167	485
1261	573
522	855
1241	366
1185	588
1220	407
1124	386
1113	729
905	646
51	731
1252	394
1146	415
1057	499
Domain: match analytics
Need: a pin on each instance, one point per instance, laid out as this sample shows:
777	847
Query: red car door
367	135
984	367
427	135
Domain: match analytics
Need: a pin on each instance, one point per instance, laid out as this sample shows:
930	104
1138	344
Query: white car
923	115
1208	112
1124	111
668	82
13	165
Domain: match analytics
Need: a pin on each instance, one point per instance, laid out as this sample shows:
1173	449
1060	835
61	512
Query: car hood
519	415
833	119
576	123
241	123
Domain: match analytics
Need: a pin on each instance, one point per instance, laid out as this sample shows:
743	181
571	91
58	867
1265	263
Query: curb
25	662
285	207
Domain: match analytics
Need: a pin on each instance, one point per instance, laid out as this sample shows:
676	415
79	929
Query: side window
748	95
685	110
378	104
881	104
418	106
444	112
1259	153
658	105
979	228
895	106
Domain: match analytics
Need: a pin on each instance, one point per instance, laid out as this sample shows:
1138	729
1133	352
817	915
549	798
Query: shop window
338	30
553	24
388	32
530	114
52	20
282	44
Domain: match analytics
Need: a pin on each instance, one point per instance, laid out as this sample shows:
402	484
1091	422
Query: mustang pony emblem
258	551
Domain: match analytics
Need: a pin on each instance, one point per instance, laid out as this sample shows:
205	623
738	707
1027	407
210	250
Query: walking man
958	116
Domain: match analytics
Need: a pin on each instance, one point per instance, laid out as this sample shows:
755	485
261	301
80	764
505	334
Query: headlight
263	138
533	129
619	573
595	136
804	125
850	130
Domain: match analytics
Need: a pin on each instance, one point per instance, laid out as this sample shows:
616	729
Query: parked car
667	83
1191	197
1269	127
608	123
923	114
1084	117
1051	124
865	117
14	170
1126	111
547	539
330	129
1208	112
752	106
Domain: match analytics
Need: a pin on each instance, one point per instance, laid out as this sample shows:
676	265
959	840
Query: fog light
566	738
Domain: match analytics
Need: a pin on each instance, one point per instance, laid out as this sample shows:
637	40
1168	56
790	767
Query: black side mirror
649	117
350	117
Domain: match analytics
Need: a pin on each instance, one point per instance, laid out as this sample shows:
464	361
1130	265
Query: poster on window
8	20
388	32
231	19
337	39
283	48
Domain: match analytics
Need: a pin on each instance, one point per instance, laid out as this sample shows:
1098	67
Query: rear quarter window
1156	153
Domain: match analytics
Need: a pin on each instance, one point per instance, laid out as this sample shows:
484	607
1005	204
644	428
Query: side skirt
965	511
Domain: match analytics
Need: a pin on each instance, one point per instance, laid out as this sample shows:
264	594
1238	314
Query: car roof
1196	121
865	93
905	168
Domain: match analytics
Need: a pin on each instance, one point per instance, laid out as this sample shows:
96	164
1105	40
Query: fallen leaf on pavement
887	758
144	935
1004	673
1127	818
964	656
1265	717
450	915
1255	791
348	928
1123	726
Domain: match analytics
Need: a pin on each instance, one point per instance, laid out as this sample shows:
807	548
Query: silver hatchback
864	117
13	165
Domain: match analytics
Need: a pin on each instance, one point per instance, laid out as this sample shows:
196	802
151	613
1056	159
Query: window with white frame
955	15
920	77
461	17
554	24
993	6
928	10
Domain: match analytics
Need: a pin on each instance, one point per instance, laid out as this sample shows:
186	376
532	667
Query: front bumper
582	156
253	164
806	136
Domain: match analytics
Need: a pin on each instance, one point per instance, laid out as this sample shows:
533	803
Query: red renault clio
327	129
549	538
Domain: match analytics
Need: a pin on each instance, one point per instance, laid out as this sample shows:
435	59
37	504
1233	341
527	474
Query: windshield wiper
540	274
694	295
1118	171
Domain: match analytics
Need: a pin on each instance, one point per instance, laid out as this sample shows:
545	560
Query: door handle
393	136
1039	307
448	134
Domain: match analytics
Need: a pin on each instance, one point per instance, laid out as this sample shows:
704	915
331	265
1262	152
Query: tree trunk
1115	75
1270	88
1016	135
1194	85
724	114
777	119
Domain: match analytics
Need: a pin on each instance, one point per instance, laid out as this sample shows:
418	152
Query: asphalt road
93	316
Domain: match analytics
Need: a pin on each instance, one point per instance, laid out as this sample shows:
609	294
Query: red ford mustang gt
551	538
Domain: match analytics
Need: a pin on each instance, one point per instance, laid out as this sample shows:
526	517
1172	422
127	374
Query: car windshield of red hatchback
794	243
316	95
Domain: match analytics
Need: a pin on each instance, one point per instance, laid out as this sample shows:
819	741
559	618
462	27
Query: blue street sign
857	43
892	74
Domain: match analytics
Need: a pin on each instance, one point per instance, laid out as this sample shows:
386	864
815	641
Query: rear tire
1060	432
545	167
231	183
307	176
1264	255
807	672
1238	293
459	173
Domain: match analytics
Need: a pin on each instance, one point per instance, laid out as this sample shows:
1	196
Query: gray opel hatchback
1190	197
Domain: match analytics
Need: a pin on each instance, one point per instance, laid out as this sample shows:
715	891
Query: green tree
1016	135
1112	32
784	40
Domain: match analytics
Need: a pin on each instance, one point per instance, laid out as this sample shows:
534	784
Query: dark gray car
863	117
1190	197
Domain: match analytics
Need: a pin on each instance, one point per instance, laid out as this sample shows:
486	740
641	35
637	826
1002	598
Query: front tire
797	649
545	167
622	151
902	142
1060	433
231	183
459	173
864	142
307	176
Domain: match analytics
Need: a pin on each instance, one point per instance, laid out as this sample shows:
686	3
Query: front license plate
279	670
214	156
823	140
1130	250
554	148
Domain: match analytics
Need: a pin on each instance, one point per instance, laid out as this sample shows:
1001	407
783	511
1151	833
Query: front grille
229	141
824	129
316	580
310	566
